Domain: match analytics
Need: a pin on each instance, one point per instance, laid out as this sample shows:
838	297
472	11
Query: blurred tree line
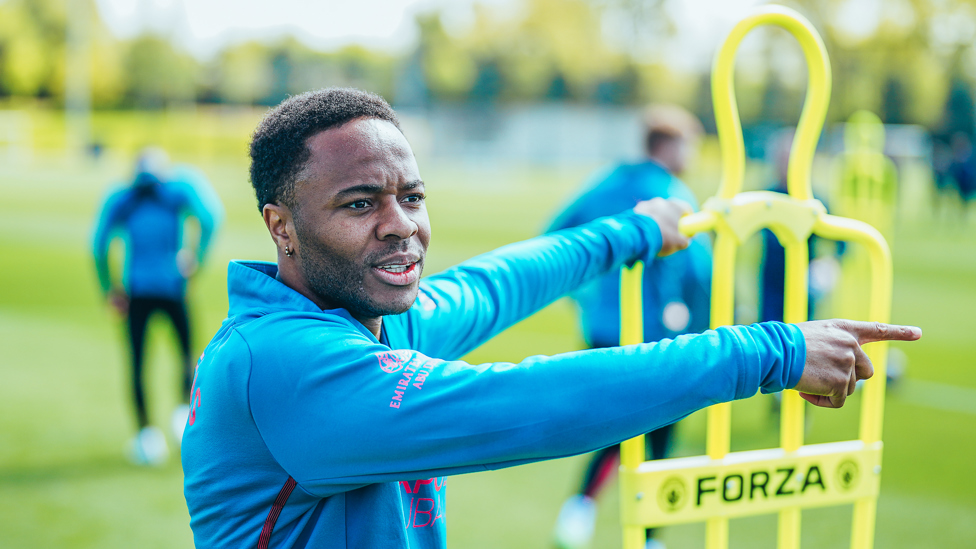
152	71
911	61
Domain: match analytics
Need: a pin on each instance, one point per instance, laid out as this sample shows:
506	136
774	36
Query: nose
396	223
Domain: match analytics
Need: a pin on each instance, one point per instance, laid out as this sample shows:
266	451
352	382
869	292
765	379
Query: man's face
360	219
676	154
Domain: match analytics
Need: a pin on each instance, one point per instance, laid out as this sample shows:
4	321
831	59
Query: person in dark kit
149	216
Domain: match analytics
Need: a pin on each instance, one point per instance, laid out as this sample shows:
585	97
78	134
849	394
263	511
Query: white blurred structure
15	136
546	134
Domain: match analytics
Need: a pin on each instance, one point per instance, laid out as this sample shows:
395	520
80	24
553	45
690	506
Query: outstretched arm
360	413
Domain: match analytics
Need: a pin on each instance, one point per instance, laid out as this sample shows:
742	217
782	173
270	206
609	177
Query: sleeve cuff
779	352
648	228
784	356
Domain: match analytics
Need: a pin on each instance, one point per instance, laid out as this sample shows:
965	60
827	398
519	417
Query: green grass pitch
65	417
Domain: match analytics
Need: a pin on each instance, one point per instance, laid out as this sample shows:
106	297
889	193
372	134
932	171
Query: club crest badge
393	361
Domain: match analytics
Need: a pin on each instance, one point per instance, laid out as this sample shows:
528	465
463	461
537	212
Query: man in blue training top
331	403
149	216
675	288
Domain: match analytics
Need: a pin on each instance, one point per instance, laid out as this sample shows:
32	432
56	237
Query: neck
289	274
373	324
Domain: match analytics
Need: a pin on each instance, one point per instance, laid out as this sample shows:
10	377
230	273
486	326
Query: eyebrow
376	188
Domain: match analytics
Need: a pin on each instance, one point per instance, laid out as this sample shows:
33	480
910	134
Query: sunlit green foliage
899	58
31	39
158	73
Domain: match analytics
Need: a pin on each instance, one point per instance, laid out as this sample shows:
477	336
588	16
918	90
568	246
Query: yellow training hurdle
866	189
722	484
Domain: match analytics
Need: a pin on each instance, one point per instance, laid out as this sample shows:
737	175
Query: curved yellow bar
872	405
851	230
814	106
798	183
699	222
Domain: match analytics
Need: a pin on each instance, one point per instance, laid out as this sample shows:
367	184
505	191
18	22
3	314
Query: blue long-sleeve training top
681	280
149	216
307	431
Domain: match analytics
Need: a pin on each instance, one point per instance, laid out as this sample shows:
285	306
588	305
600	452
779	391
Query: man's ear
280	224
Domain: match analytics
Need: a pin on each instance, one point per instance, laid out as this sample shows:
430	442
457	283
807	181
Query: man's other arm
468	304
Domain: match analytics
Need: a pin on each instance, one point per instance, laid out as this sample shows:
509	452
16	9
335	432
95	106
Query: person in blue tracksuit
149	215
675	289
332	403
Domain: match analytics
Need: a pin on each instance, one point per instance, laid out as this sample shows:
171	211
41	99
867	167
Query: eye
359	204
414	198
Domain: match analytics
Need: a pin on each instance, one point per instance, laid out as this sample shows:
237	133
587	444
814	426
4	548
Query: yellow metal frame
865	189
867	180
721	484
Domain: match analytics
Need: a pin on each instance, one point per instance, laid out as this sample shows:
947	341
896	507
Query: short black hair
278	147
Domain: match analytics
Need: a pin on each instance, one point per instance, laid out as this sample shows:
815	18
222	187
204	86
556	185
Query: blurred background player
675	288
150	215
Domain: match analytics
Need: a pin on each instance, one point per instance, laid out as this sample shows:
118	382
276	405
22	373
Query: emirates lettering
413	372
405	380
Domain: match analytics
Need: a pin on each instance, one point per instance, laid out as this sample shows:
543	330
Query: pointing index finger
868	332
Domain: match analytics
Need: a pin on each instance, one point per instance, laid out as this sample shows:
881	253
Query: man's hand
835	360
666	213
119	301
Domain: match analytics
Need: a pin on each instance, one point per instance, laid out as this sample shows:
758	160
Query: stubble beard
342	282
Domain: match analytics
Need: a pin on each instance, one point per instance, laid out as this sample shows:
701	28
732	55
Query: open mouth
399	274
396	269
